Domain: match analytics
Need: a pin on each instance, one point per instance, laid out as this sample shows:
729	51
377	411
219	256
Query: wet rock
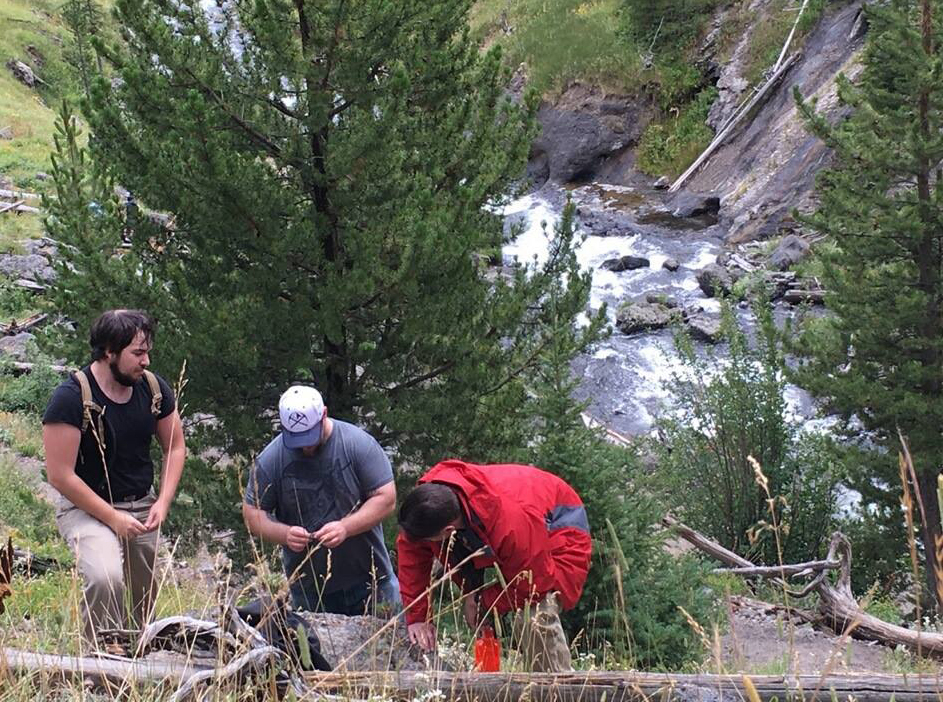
6	133
714	280
602	223
342	636
704	327
662	183
30	266
22	72
671	264
16	347
625	263
580	130
799	296
684	205
657	298
638	316
790	251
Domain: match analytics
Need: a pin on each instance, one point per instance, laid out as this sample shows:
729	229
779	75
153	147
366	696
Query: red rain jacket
533	524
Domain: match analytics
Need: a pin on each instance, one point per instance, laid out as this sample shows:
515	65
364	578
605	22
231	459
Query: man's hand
297	538
470	610
332	534
156	515
422	634
125	526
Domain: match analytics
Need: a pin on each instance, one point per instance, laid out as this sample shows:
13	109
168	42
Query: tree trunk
926	483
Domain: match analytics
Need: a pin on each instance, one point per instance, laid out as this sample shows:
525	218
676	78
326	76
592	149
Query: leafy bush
726	413
669	146
665	25
27	392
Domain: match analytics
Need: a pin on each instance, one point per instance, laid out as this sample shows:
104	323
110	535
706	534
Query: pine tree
317	182
878	354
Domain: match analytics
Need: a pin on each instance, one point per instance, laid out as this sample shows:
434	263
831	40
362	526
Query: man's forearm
370	513
76	491
266	528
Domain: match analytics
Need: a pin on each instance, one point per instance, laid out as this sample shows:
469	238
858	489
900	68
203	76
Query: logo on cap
296	419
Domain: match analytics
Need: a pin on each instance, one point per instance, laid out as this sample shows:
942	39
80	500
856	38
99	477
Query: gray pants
543	644
111	568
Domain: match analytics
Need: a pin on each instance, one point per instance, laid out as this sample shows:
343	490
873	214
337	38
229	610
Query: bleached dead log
258	662
182	634
618	686
837	606
7	206
19	207
110	673
27	324
721	137
18	195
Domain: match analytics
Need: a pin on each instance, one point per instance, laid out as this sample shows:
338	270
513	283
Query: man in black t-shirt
97	442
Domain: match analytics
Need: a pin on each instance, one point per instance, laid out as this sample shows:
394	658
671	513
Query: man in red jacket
527	523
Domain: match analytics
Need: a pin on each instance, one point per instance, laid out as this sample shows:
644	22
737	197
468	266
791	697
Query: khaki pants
111	568
543	644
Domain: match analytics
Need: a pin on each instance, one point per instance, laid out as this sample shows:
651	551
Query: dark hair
428	509
115	329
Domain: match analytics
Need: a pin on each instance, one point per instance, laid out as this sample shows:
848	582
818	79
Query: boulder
625	263
684	205
704	327
22	72
714	280
16	347
790	251
580	130
30	266
662	183
657	298
671	264
6	133
638	316
343	638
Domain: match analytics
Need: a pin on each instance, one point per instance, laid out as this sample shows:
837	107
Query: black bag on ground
281	628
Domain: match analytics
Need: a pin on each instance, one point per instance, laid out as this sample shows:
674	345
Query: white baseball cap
300	410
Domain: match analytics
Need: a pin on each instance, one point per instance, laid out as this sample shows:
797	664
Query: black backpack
282	629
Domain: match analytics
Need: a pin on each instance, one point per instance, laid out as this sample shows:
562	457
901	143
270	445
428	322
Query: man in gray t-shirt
321	489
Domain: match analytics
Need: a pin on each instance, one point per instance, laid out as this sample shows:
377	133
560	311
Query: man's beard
120	377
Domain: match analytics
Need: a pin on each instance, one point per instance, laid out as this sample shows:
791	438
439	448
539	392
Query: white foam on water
533	242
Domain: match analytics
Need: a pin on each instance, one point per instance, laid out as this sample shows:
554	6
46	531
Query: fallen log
19	367
18	195
112	674
31	322
617	686
19	207
837	606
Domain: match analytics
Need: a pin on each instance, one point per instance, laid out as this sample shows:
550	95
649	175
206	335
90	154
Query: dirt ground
762	641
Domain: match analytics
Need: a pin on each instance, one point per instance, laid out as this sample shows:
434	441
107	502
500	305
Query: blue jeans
381	599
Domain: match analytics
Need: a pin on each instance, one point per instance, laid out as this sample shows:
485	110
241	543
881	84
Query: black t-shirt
129	428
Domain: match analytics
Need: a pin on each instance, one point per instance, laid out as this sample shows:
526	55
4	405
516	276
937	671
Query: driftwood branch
603	686
837	607
29	323
110	673
783	571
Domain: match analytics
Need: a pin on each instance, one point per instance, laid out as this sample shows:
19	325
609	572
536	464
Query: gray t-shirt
312	491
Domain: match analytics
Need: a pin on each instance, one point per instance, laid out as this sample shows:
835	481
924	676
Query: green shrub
669	146
726	412
24	514
27	392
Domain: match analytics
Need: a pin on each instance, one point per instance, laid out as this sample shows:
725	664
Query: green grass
561	42
768	36
668	146
26	516
22	433
29	112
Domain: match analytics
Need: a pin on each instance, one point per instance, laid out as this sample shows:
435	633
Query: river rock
342	636
671	264
684	205
704	327
638	316
790	251
30	266
16	347
659	298
714	280
22	72
625	263
662	183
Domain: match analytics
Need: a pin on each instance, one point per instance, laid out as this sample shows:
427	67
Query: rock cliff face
765	168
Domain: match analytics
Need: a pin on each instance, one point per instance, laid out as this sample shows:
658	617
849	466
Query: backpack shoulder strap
157	397
88	404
